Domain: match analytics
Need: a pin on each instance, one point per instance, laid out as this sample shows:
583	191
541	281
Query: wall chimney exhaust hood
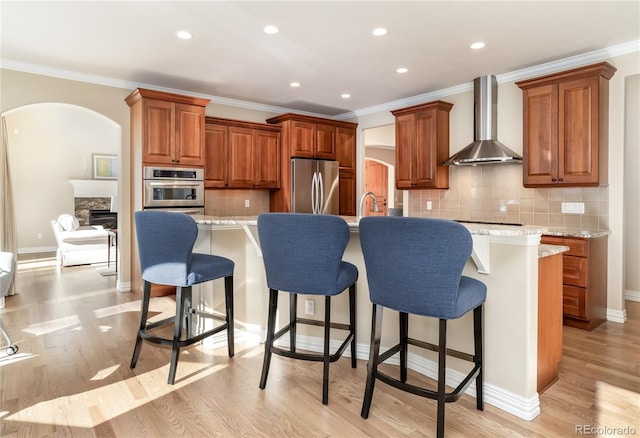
485	149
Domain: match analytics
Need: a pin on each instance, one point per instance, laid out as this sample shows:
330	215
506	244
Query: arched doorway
379	159
48	145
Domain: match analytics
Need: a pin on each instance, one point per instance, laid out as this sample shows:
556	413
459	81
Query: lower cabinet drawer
574	302
574	271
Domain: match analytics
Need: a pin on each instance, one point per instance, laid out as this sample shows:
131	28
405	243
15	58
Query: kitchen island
505	258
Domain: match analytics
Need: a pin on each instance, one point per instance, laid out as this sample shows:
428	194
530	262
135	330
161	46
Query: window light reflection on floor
617	408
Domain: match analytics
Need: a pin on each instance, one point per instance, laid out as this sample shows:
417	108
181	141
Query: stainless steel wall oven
174	188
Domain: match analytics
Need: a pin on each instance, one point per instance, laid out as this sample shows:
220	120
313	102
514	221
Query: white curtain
8	238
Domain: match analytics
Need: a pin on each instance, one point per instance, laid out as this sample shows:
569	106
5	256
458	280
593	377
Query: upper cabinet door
241	146
405	149
325	142
217	155
346	148
302	139
425	154
189	131
158	140
578	126
267	159
540	123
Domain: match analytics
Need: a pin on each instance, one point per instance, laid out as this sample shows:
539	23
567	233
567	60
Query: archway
48	145
379	147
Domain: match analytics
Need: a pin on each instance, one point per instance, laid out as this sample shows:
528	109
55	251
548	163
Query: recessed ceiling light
184	35
271	29
379	31
295	84
345	95
402	70
478	45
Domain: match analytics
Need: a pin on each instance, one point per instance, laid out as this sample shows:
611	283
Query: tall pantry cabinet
166	130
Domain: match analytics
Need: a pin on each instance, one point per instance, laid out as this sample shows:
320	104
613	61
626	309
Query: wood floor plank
71	377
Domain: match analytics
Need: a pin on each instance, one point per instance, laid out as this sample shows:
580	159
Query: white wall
632	189
49	144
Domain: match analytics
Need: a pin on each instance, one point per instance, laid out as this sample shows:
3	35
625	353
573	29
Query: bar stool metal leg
442	370
228	299
271	328
374	353
144	314
325	362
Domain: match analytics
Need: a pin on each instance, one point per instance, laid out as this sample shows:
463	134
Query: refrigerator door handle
314	193
321	197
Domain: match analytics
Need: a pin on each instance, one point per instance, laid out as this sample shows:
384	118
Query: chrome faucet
362	198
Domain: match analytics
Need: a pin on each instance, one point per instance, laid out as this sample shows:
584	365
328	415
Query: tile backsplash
232	202
495	193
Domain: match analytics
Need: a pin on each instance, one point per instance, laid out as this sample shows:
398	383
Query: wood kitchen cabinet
565	127
217	155
169	128
549	320
346	155
241	155
584	278
314	137
422	145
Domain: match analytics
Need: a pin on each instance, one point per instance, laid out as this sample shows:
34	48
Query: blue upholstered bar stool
414	266
165	246
303	255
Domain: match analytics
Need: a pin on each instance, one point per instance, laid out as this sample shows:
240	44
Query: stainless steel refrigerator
314	186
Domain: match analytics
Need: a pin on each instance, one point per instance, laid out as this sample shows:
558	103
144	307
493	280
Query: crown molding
24	67
525	73
571	62
538	70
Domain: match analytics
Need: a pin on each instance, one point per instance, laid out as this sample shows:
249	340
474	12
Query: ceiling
327	47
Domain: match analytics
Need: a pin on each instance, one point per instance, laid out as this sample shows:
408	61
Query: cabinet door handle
560	179
553	180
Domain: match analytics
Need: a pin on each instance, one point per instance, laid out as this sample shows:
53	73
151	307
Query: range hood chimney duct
485	149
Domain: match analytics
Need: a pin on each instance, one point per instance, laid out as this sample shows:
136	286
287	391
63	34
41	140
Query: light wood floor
71	377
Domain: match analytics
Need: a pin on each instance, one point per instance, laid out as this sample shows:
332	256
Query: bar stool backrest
165	245
414	265
303	252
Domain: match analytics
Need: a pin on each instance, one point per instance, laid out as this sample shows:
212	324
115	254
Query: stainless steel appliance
173	188
314	186
485	149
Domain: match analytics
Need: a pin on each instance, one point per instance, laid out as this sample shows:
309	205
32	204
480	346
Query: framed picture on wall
105	166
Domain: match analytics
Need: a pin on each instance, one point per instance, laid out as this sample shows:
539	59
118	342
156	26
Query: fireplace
107	218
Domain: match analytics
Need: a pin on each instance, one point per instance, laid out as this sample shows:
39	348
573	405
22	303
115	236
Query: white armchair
80	245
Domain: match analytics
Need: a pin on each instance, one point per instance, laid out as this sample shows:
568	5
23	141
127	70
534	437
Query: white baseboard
525	408
619	316
37	249
632	295
123	286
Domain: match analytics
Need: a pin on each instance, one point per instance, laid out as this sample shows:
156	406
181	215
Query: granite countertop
352	221
574	232
545	250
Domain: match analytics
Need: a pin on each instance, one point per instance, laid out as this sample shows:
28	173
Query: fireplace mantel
94	188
